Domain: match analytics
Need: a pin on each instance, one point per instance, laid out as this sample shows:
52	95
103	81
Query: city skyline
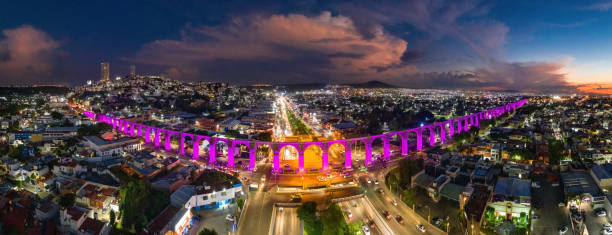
539	47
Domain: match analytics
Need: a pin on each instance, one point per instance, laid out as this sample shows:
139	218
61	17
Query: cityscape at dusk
306	117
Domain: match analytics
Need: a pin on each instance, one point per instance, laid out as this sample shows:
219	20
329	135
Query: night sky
517	45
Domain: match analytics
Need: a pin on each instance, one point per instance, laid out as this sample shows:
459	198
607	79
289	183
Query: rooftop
602	171
513	187
580	182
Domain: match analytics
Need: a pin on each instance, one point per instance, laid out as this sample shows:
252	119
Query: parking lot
545	204
216	219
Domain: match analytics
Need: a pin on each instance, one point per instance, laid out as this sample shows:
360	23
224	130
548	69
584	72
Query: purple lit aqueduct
454	126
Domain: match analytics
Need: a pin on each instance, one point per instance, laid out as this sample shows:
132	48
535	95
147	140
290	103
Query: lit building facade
104	71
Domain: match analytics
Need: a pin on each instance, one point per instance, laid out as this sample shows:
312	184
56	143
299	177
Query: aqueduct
436	133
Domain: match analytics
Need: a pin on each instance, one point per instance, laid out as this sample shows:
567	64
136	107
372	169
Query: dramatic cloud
299	46
534	76
438	20
356	46
27	56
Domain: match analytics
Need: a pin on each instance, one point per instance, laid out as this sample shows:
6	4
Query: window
223	194
205	197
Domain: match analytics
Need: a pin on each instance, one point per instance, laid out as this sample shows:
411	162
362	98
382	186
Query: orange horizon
596	88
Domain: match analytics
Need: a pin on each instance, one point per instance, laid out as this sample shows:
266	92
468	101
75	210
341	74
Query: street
382	202
287	221
359	212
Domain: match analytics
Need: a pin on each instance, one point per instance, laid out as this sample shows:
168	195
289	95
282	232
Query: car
399	219
421	228
287	165
365	229
601	213
563	230
561	204
607	231
535	185
535	216
375	181
229	218
436	221
379	190
296	198
369	181
263	178
387	215
577	217
607	226
394	202
555	184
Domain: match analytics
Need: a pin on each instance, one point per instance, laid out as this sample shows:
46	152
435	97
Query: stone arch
263	149
358	150
384	148
182	143
313	149
168	139
430	138
340	149
440	132
286	151
399	142
218	146
414	139
159	135
237	150
201	143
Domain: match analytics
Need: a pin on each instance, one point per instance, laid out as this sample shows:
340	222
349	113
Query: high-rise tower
104	71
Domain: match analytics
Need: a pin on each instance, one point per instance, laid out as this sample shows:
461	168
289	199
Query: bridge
438	132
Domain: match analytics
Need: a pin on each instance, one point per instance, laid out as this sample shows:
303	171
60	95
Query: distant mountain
315	85
372	84
303	86
35	89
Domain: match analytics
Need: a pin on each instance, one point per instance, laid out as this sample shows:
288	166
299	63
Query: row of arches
382	145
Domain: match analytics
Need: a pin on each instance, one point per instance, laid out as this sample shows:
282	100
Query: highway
383	202
360	213
282	127
287	221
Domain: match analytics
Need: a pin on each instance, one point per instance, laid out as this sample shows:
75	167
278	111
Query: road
360	213
282	125
287	221
382	202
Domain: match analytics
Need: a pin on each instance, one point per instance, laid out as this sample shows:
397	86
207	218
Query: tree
94	129
67	200
57	115
112	217
265	136
208	231
408	196
392	181
140	203
333	221
240	202
307	212
407	168
555	150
